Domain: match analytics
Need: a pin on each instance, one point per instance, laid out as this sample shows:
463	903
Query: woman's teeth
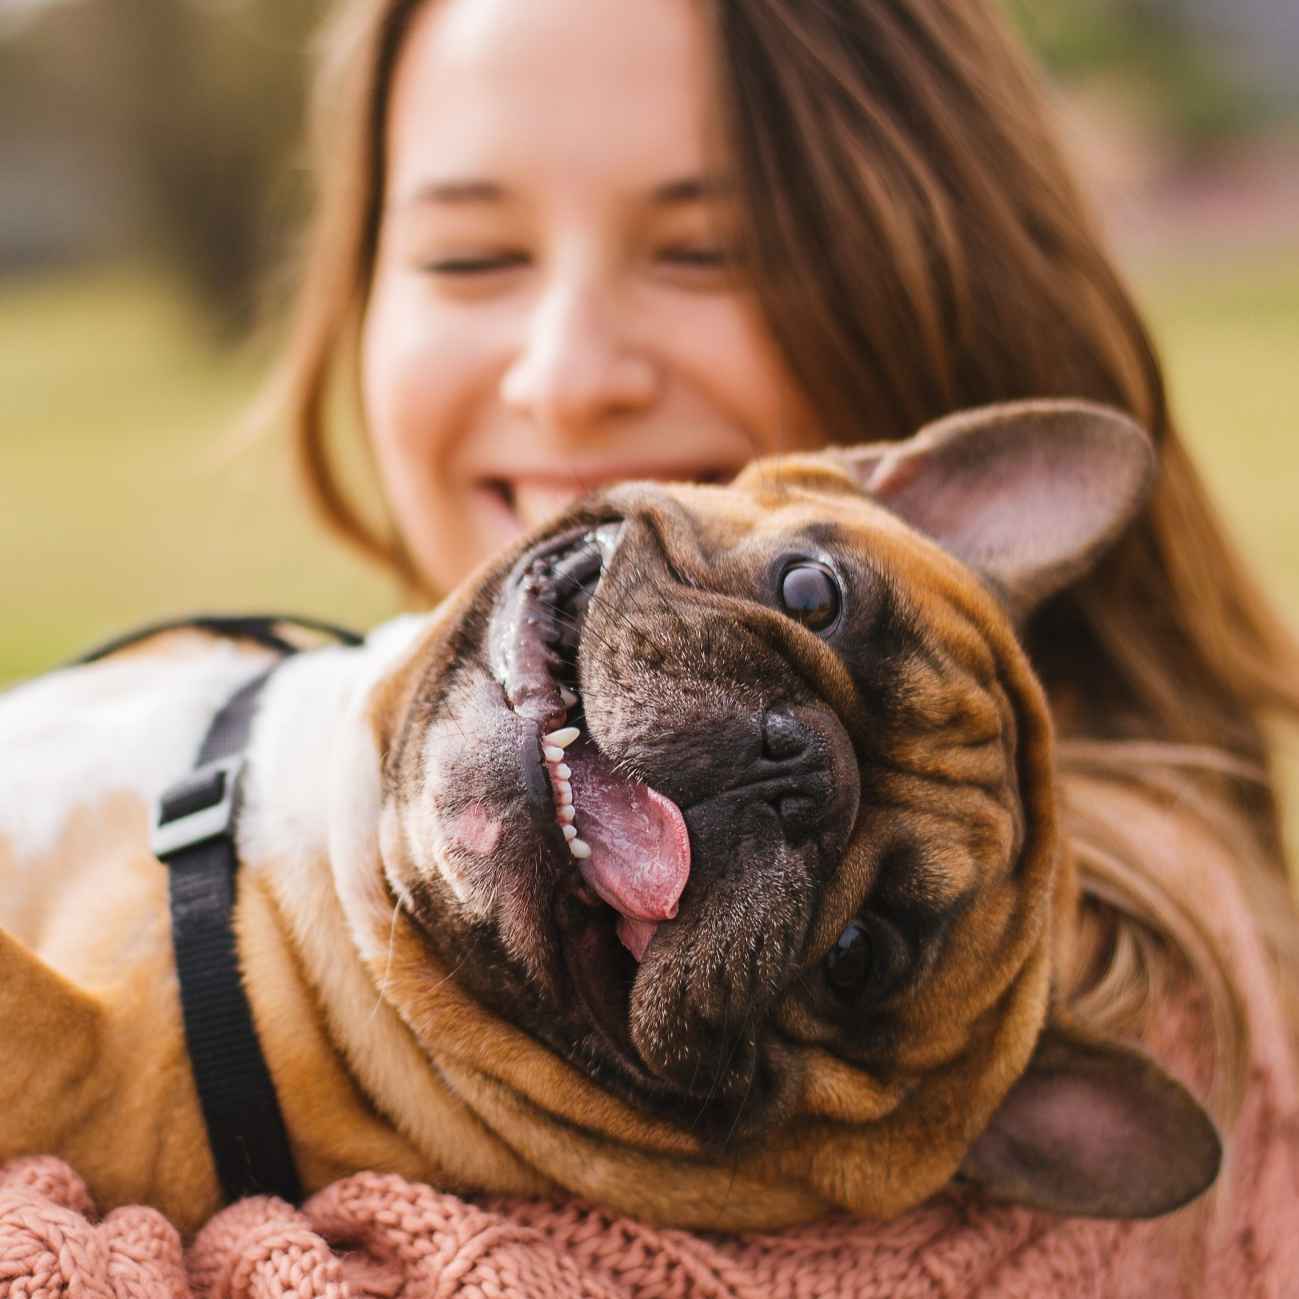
552	749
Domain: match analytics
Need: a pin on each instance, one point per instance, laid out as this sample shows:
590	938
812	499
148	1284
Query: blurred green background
149	181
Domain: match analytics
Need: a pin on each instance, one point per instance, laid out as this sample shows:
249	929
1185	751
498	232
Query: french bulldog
698	857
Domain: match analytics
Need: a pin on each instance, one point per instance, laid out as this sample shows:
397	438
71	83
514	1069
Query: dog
698	857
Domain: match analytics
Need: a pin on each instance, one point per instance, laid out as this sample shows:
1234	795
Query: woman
568	241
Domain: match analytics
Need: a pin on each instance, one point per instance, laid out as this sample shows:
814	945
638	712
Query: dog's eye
868	963
850	963
810	595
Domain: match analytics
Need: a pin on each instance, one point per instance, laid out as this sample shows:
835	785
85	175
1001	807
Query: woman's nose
576	368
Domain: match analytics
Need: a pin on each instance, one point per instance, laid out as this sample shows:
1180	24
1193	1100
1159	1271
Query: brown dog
790	950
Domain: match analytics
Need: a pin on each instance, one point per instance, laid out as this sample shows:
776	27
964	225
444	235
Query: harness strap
263	628
195	836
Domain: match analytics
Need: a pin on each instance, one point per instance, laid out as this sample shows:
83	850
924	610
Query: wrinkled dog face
773	859
739	798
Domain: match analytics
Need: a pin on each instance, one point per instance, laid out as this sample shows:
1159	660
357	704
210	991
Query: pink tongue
640	851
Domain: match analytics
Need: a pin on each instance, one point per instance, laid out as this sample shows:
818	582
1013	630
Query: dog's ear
1027	493
1095	1130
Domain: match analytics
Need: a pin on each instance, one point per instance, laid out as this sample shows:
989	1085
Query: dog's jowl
699	858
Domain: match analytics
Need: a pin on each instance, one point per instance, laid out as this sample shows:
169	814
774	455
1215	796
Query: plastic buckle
198	808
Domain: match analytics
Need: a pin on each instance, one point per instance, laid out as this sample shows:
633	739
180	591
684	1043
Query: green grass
124	495
1229	334
124	498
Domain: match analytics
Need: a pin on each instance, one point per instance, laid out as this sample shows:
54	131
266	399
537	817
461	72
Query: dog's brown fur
410	982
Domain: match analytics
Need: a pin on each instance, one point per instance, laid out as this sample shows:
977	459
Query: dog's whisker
382	988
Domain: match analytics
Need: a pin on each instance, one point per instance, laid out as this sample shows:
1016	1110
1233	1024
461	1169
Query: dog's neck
294	777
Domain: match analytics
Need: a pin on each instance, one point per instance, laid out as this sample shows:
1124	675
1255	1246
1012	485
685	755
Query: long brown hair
918	246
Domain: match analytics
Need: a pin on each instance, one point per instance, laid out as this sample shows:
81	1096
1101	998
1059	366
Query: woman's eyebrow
455	191
692	189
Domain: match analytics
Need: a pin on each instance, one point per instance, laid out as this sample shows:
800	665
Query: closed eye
476	265
702	258
696	256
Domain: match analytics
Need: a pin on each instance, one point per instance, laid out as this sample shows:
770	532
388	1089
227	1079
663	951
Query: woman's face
552	307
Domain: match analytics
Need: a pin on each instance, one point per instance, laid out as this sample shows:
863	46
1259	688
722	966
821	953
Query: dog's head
728	812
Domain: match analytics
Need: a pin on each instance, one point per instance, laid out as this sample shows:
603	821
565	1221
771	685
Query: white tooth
552	754
570	831
563	791
564	771
563	737
565	813
579	848
567	696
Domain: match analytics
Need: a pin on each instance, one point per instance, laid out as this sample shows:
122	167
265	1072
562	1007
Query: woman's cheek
413	366
725	347
427	390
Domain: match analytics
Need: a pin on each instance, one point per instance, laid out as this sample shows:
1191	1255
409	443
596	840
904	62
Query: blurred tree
212	94
1198	83
184	113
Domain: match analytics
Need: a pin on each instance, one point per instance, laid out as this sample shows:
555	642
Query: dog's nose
794	774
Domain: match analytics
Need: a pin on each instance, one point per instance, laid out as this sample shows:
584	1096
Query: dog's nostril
784	737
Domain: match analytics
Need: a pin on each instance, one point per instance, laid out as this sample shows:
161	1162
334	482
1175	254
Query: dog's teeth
570	831
565	812
564	771
552	753
563	791
563	738
579	848
567	696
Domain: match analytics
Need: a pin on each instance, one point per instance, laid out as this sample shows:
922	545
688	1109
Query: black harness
194	834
